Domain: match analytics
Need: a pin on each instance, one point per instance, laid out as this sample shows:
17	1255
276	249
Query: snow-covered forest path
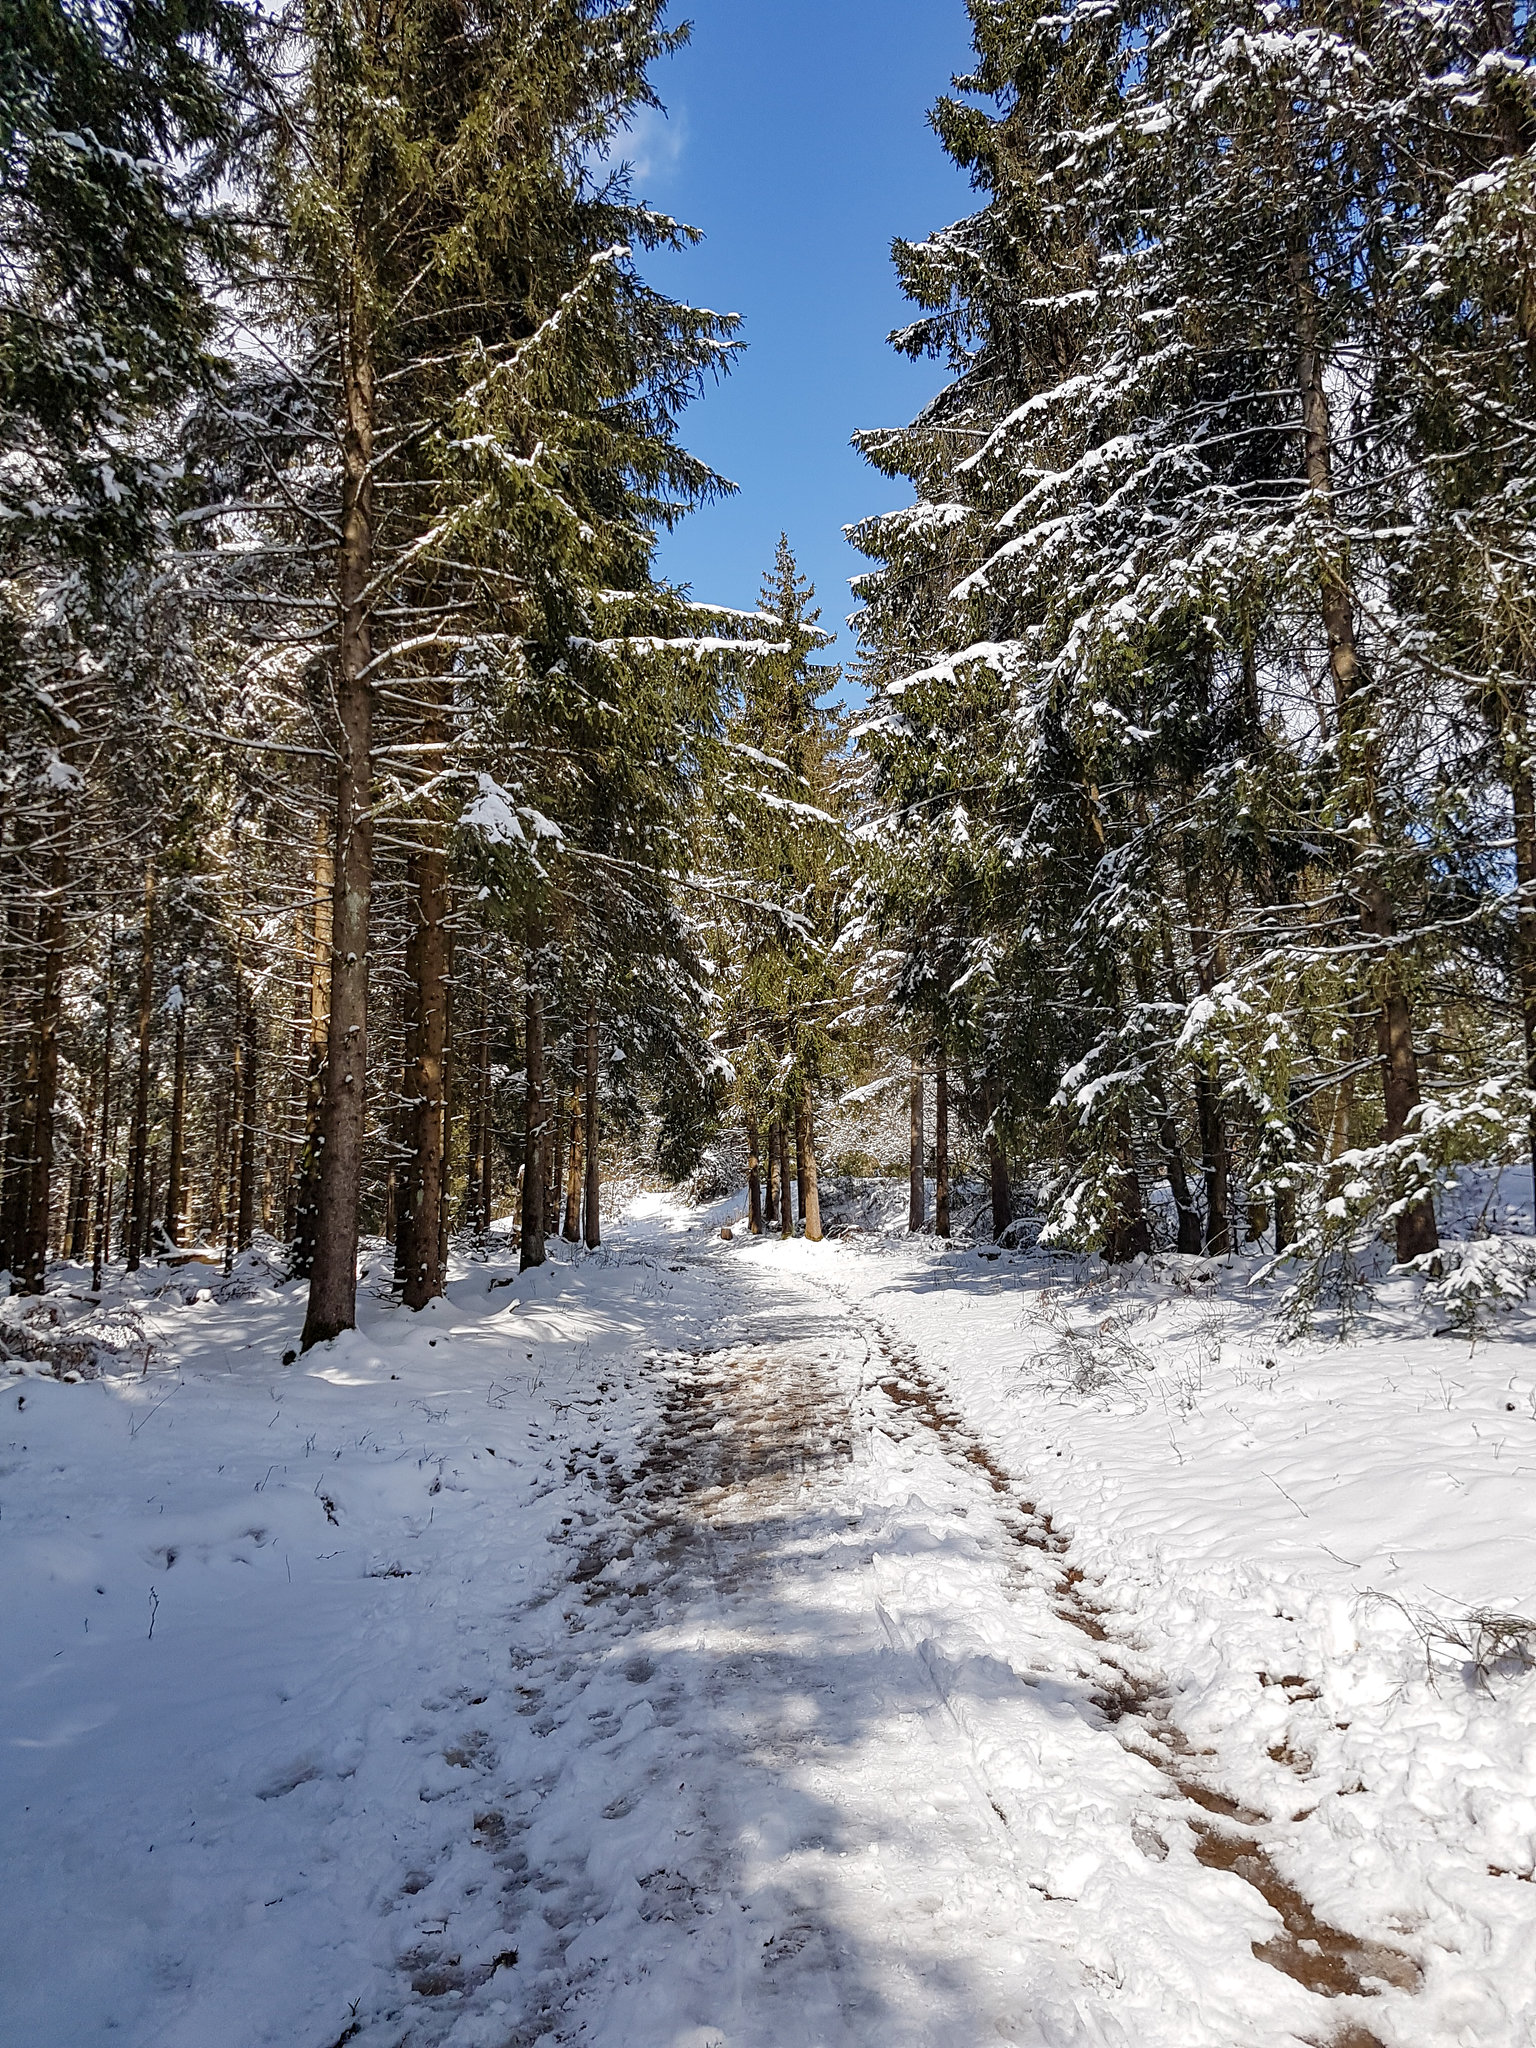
930	1801
657	1653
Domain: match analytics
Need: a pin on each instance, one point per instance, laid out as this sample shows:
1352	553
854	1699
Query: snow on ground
740	1644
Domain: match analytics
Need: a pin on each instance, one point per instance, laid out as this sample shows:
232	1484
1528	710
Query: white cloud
653	144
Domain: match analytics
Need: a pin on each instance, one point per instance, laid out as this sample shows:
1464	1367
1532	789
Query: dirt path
858	1759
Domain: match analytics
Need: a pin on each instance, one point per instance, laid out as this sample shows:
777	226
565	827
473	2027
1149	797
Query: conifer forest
924	1232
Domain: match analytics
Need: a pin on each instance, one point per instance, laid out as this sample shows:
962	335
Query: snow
748	1643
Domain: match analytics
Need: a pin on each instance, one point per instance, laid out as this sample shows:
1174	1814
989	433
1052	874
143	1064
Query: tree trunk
80	1190
400	1210
137	1221
574	1171
1127	1234
941	1140
475	1138
488	1148
917	1187
74	1209
450	1089
245	1222
800	1173
754	1180
174	1194
805	1152
1517	750
1285	1217
1417	1235
333	1277
99	1239
1191	1236
1213	1156
51	940
485	1155
555	1150
418	1266
531	1251
997	1167
19	1050
771	1186
786	1207
1215	1151
105	1190
307	1202
592	1220
231	1126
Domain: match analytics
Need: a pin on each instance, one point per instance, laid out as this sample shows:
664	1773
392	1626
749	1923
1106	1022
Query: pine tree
1163	498
782	882
508	388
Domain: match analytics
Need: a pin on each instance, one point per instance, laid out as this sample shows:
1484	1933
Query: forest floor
716	1643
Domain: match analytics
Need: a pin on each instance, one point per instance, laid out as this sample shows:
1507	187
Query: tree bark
941	1140
1285	1217
245	1221
1517	750
174	1192
19	1051
137	1221
786	1207
771	1183
754	1180
80	1190
307	1202
1417	1235
99	1239
997	1167
800	1173
1215	1151
1213	1157
333	1277
1128	1234
51	940
450	1090
574	1170
805	1152
592	1228
231	1127
486	1159
917	1188
106	1189
418	1264
1191	1236
554	1186
531	1251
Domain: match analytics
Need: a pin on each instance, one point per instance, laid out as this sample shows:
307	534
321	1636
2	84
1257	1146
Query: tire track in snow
1325	1960
621	1893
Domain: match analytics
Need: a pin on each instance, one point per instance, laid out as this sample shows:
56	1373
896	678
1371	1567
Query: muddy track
741	1432
1324	1959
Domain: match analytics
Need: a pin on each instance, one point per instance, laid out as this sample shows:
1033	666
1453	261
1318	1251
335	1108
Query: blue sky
797	139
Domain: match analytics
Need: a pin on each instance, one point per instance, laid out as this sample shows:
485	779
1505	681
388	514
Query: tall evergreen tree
1162	504
506	388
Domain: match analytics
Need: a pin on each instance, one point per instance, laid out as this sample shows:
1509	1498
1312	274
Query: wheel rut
1326	1960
